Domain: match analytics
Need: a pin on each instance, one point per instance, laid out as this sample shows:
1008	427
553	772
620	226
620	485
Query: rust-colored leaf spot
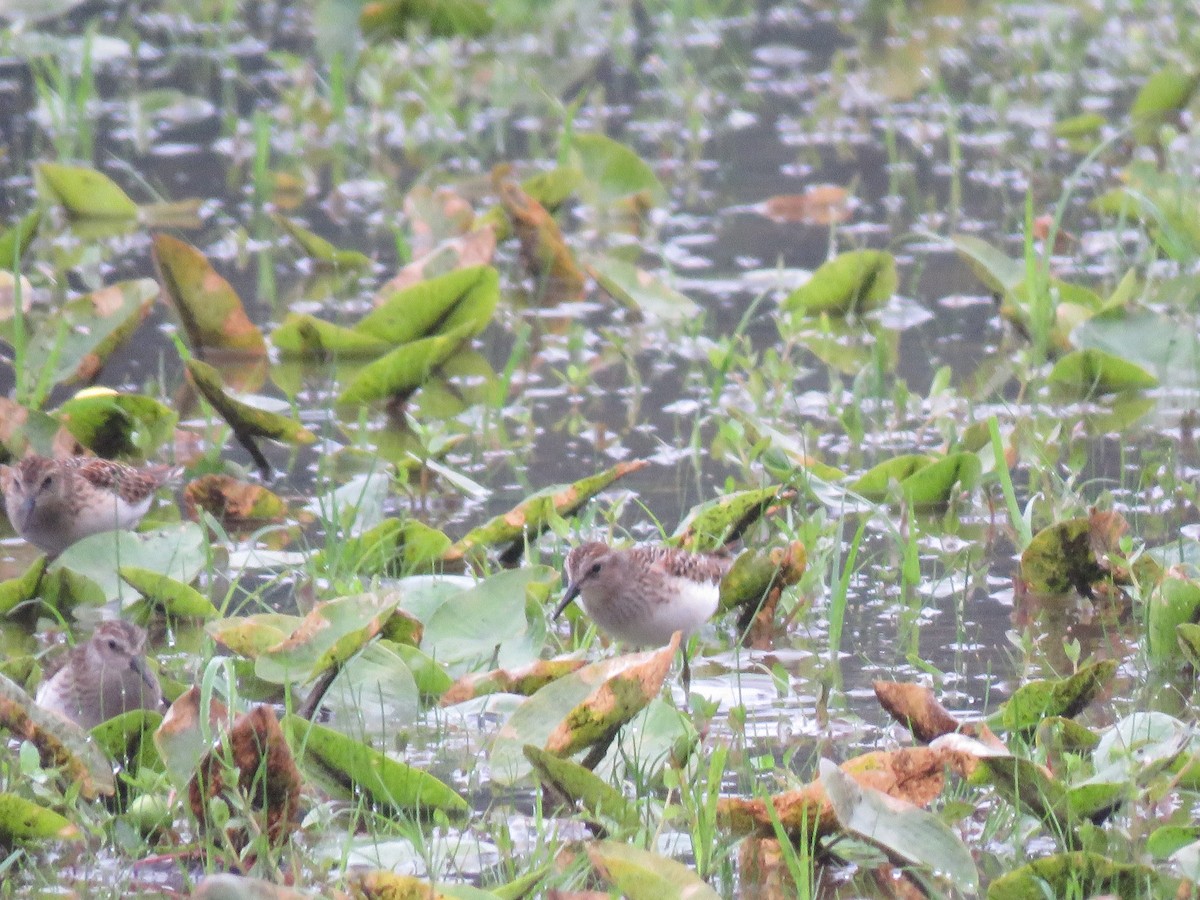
237	504
526	680
822	204
543	248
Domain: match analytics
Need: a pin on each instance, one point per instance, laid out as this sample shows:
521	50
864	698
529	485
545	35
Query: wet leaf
85	193
1059	558
803	813
903	830
267	776
128	739
235	504
526	680
17	237
998	272
328	636
1090	372
1067	697
1084	125
874	483
1141	745
114	425
22	821
247	421
641	291
207	305
320	250
23	588
459	302
251	636
596	797
937	483
1081	874
173	597
488	622
239	887
394	547
178	551
528	519
821	204
1164	95
851	283
543	249
578	710
1030	787
431	677
1174	601
614	171
83	334
382	19
714	523
1189	642
642	875
61	744
756	574
399	373
302	336
916	708
183	739
339	760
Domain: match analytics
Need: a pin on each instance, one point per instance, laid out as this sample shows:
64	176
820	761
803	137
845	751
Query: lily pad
461	301
16	238
112	424
1037	700
85	193
320	250
642	291
1087	874
177	551
173	597
399	373
211	311
1173	602
23	588
716	522
600	800
303	336
614	171
643	875
23	821
1091	371
247	421
852	283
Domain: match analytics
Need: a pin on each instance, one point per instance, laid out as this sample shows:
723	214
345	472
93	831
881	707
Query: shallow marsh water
730	108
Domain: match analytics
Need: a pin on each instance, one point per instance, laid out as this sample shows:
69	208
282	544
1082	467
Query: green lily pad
178	551
936	483
1079	873
1164	93
1060	557
461	301
873	484
614	171
328	636
337	760
1091	371
173	597
320	250
23	588
247	421
399	373
251	636
643	875
85	193
849	284
599	799
998	272
642	291
303	336
716	522
17	237
1174	601
23	821
118	424
129	739
440	18
207	305
1037	700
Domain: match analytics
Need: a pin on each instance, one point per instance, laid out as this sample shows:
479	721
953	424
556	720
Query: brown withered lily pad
233	503
544	250
526	681
266	774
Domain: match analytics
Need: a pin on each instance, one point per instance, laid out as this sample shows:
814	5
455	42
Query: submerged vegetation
892	304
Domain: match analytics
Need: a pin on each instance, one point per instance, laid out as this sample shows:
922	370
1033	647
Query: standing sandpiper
644	594
103	678
53	503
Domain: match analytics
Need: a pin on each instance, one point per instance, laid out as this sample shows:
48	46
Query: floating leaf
184	737
23	588
528	519
756	573
399	373
998	272
330	634
248	422
173	597
251	636
715	523
61	744
599	799
1091	371
1035	701
1164	94
916	708
339	760
641	291
1173	602
393	547
1080	874
320	250
460	302
1072	554
85	193
267	777
303	336
543	248
873	484
936	483
615	171
207	305
852	283
902	829
235	504
128	739
526	680
179	551
642	875
23	820
112	424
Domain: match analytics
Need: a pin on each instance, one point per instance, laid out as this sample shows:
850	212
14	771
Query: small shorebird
644	594
53	503
103	678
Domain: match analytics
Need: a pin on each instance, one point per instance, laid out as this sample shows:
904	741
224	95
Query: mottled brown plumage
53	503
643	594
103	677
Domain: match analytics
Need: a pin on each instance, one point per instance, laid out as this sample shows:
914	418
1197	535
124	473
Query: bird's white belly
651	621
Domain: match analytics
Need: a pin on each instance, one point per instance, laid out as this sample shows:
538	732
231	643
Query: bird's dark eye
112	644
595	569
47	481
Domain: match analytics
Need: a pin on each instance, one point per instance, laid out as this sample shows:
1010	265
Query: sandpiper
53	502
103	678
644	594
